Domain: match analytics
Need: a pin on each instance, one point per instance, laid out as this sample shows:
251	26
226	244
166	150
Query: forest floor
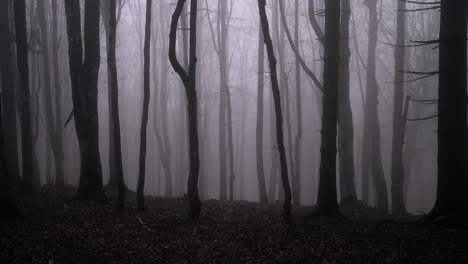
57	229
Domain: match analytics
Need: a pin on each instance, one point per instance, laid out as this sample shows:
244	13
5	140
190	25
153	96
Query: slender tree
371	114
327	195
398	205
287	216
84	77
25	104
144	117
259	128
189	81
114	100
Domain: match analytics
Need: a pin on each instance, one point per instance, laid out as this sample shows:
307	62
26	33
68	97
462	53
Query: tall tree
59	156
259	128
114	100
189	80
144	117
327	195
9	97
398	205
287	216
25	105
7	204
371	115
345	114
452	180
84	78
297	141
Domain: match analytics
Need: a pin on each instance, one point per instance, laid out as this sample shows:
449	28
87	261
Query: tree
345	114
371	114
287	216
189	81
84	77
7	203
53	120
452	180
25	104
259	128
398	205
144	117
114	101
327	196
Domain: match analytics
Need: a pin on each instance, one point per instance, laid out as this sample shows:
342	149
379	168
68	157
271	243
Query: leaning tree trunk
114	101
25	102
144	116
372	102
84	78
327	203
452	198
189	81
287	216
398	206
259	128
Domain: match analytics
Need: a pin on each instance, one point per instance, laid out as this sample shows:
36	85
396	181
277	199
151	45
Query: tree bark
398	205
287	216
372	102
114	101
189	81
84	77
452	182
259	128
144	117
327	195
25	103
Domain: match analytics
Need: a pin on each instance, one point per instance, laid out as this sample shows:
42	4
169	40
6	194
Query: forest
233	131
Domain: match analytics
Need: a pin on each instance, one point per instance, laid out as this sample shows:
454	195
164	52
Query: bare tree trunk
114	101
398	205
144	117
59	156
25	103
7	204
287	216
189	81
452	181
327	195
84	77
372	101
345	115
9	110
259	129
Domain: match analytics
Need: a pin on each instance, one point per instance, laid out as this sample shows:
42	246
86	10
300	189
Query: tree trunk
59	155
345	115
114	101
189	81
84	77
452	182
398	206
144	116
259	129
287	216
7	203
327	195
372	102
9	108
298	138
25	104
